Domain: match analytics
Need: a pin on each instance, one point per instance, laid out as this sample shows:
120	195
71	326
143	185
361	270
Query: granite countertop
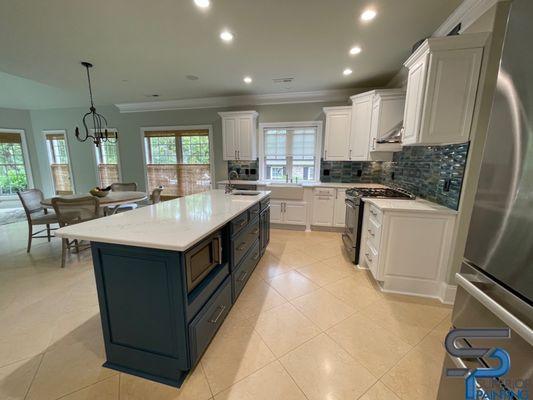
171	225
309	184
409	205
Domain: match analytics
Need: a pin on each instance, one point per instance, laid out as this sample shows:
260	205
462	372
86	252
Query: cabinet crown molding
252	113
380	93
466	41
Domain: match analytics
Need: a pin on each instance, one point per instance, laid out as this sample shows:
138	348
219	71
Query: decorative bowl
98	192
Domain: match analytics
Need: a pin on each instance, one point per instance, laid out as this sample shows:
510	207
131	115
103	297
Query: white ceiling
142	47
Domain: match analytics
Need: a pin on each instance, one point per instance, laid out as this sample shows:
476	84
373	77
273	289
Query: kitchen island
168	274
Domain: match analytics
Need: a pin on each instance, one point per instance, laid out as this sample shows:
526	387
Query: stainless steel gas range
354	214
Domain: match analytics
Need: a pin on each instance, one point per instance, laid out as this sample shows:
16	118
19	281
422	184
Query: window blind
179	161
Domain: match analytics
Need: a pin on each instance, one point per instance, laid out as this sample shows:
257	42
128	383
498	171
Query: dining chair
74	211
36	214
155	197
124	187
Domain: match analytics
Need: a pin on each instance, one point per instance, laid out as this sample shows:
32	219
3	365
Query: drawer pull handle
373	213
368	257
255	231
220	312
256	256
242	223
243	276
242	246
371	233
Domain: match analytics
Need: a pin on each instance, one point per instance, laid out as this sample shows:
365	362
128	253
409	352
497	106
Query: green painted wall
20	119
129	124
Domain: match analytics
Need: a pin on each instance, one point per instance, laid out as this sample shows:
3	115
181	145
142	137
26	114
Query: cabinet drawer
253	211
243	241
239	223
265	203
324	191
371	257
206	324
242	273
373	232
376	214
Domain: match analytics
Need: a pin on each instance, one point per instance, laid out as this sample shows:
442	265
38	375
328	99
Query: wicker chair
124	187
74	211
36	214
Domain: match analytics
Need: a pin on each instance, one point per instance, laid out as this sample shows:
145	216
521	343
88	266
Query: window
14	172
107	161
178	160
290	152
56	145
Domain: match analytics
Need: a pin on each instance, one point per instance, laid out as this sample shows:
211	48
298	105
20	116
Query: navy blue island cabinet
160	309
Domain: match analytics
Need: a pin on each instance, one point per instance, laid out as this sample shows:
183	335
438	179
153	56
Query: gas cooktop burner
384	193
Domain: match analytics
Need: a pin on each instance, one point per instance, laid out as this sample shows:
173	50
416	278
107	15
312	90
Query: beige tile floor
308	325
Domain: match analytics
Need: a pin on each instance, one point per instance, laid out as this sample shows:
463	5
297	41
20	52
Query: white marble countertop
409	205
171	225
309	184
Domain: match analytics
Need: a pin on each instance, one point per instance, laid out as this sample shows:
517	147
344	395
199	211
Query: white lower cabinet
407	251
328	207
288	212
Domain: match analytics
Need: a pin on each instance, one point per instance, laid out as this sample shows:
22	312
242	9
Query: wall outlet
326	172
359	172
392	176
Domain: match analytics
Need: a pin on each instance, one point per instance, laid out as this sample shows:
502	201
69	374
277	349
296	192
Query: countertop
309	184
171	225
409	205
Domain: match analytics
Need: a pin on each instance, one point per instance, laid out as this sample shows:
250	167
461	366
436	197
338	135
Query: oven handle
512	322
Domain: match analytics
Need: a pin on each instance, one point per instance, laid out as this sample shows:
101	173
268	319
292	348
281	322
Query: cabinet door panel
245	132
414	100
337	139
361	123
275	211
323	209
294	213
229	137
450	96
340	209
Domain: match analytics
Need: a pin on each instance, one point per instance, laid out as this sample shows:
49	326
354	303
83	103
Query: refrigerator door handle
512	322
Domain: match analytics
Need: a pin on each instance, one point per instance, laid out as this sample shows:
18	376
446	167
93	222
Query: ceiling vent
282	80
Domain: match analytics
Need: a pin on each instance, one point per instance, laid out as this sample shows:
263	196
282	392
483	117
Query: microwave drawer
201	259
243	241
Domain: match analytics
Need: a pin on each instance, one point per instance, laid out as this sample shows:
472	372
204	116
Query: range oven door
349	236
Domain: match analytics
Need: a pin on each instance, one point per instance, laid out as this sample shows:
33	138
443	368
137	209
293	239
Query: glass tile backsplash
434	173
247	170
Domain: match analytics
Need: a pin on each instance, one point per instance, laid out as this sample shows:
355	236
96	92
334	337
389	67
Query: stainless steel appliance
495	283
351	236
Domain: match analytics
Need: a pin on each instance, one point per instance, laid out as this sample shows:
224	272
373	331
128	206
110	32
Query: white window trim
64	133
113	130
179	128
25	156
270	125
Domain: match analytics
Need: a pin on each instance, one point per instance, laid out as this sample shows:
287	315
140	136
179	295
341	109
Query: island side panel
140	292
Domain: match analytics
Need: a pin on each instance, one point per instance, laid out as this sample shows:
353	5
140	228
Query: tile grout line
33	377
205	376
87	386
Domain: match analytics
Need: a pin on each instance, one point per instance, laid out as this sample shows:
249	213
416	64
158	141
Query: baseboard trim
418	287
447	293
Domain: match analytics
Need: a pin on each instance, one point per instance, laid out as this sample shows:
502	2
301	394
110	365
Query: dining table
112	201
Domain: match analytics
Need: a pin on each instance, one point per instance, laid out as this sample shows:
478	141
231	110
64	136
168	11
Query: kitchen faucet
231	175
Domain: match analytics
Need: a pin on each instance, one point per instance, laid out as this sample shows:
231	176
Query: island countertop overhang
171	225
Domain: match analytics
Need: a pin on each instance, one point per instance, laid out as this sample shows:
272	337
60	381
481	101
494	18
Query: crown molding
466	13
238	101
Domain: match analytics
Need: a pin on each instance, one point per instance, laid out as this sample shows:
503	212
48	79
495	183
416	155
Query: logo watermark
510	388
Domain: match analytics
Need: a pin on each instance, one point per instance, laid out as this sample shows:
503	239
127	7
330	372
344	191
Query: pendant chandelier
98	133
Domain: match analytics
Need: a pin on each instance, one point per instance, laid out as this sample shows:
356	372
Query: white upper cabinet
441	89
239	135
337	137
361	123
387	113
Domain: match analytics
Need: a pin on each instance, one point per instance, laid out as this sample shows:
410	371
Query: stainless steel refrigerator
495	283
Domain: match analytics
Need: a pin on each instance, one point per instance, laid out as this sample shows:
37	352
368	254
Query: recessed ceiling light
202	3
368	15
355	50
247	79
226	36
347	71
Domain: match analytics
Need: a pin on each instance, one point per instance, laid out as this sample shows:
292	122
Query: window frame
290	125
209	128
95	153
25	156
67	146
